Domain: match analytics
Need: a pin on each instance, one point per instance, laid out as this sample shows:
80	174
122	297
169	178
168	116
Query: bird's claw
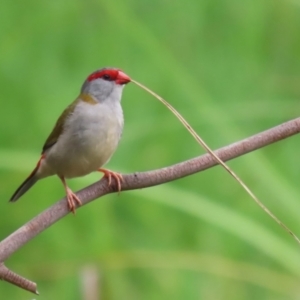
109	174
73	201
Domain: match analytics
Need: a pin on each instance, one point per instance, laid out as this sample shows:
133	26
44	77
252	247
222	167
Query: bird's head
105	83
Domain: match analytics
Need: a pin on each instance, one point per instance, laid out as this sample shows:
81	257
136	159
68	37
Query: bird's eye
106	77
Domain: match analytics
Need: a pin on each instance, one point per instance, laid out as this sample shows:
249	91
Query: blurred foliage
232	69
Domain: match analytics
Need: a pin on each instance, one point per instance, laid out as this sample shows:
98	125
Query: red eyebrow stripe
113	74
95	76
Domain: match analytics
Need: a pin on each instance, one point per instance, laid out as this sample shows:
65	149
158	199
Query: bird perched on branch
85	135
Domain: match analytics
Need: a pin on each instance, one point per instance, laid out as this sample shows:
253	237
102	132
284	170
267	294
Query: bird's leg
71	197
109	174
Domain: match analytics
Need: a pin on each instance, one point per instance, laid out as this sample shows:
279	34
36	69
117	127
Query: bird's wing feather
59	126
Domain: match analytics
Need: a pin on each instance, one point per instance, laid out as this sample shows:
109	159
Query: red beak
122	78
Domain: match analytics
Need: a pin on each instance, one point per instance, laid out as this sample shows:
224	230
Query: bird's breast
90	136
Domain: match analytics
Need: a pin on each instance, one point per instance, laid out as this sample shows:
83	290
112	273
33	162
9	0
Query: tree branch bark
132	181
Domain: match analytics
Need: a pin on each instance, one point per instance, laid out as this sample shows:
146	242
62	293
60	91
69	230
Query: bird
85	135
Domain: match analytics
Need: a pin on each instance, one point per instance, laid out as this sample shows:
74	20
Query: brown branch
133	181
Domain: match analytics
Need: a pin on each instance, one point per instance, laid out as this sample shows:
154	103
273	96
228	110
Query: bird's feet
72	200
109	174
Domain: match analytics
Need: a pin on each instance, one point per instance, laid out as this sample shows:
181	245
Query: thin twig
136	181
203	144
13	278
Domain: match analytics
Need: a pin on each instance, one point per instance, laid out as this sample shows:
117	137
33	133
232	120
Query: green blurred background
231	68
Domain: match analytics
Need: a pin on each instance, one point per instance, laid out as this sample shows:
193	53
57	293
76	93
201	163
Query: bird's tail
26	185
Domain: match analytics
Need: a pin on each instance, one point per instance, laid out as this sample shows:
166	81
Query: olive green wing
59	126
